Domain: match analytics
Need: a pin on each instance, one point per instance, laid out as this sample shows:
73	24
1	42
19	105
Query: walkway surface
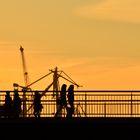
74	127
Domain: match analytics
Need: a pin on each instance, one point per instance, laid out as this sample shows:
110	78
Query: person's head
64	86
16	94
7	93
71	87
37	94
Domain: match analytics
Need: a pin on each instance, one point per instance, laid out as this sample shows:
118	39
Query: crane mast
26	78
26	81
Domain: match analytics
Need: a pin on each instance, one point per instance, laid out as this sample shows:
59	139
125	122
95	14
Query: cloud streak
115	10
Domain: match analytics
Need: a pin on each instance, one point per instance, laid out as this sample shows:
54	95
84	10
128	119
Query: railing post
131	104
105	109
85	104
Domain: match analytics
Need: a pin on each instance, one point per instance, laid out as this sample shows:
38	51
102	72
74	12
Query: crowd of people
12	107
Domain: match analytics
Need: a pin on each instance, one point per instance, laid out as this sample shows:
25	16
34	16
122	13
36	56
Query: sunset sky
96	42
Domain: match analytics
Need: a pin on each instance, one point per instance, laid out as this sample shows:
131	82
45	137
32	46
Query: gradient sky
96	42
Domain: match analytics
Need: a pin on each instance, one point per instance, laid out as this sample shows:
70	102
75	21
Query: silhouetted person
62	101
16	104
8	105
71	95
70	109
37	104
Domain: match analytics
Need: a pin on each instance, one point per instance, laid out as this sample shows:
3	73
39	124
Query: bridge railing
91	103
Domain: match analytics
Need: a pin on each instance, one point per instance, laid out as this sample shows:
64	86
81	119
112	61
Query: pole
55	89
26	80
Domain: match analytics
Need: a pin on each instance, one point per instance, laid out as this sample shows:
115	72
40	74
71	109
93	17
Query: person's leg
58	111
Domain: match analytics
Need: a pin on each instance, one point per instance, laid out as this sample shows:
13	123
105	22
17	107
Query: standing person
70	110
62	101
37	104
8	105
16	104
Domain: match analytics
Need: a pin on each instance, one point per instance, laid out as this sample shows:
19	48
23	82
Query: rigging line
43	93
68	77
38	80
70	81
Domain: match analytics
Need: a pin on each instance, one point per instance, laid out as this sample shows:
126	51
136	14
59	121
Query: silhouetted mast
26	80
56	88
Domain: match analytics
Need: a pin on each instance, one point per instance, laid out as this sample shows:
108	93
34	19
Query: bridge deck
71	128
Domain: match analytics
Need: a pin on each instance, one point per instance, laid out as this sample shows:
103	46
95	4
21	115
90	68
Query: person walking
37	104
8	105
62	101
70	108
16	104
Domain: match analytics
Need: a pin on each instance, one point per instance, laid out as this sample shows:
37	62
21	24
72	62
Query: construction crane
55	84
26	80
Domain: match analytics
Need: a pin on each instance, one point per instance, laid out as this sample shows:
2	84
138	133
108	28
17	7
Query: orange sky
96	42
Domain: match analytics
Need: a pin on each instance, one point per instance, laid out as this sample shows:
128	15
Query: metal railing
95	103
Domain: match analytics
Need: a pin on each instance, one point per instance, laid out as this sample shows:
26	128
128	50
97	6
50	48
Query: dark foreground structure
71	128
97	115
